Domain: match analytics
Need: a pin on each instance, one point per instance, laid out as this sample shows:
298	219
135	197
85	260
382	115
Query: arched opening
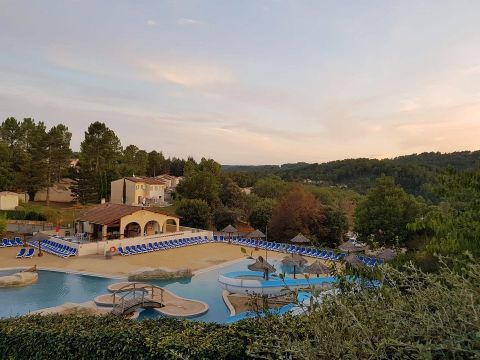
170	225
132	229
152	227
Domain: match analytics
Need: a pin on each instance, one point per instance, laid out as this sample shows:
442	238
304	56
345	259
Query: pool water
56	288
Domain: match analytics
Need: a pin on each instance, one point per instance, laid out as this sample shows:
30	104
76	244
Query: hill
415	173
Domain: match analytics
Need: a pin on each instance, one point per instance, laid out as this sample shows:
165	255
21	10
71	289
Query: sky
249	82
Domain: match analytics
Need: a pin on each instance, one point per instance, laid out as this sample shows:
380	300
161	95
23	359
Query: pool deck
198	258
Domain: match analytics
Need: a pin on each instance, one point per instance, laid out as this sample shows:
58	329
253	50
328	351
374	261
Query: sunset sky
249	82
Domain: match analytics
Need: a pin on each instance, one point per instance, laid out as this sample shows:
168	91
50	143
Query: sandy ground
196	257
243	303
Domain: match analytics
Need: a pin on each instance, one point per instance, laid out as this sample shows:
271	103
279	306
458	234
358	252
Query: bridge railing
147	293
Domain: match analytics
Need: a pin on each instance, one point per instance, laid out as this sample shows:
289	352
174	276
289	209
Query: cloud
190	75
189	22
472	70
152	22
408	105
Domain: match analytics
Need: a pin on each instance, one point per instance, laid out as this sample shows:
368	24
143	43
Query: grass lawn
63	213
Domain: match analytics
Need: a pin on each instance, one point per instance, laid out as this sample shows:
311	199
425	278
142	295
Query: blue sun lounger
21	253
29	254
122	252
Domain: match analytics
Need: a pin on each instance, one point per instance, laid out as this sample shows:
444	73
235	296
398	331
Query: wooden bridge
135	296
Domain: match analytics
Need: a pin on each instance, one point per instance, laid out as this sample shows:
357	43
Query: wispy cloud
152	22
472	70
189	22
408	105
190	75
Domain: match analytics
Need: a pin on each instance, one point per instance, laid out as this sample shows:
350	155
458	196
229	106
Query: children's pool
55	288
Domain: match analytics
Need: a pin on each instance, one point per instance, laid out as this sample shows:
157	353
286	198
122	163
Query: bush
419	316
22	214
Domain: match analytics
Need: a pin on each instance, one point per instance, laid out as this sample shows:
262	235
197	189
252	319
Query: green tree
336	226
100	153
133	162
101	149
201	182
269	187
3	225
453	227
382	217
157	164
195	213
224	216
230	193
176	166
57	155
261	213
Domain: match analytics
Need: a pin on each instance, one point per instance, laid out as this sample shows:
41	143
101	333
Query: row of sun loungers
295	249
55	248
25	254
9	243
161	245
371	262
291	249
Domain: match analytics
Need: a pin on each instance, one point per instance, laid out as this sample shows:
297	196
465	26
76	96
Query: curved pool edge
236	283
69	271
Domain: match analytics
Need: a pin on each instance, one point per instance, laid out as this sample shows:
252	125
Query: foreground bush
419	316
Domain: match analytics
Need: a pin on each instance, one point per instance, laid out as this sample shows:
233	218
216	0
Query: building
8	200
60	192
138	190
118	221
171	183
170	180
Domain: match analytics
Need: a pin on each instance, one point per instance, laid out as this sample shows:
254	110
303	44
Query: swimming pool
56	288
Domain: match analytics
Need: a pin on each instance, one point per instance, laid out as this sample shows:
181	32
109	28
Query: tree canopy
382	217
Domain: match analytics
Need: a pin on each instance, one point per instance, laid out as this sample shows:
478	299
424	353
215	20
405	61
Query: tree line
417	173
33	157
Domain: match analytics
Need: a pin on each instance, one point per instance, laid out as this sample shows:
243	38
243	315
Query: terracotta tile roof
146	180
105	214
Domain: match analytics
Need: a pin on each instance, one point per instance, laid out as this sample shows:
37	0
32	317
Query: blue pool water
56	288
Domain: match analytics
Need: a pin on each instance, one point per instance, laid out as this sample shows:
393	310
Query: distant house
171	183
138	190
8	200
170	180
61	192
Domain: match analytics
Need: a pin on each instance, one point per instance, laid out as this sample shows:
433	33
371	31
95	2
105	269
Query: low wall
28	226
100	247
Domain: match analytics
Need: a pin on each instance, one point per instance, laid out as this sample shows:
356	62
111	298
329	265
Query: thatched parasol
387	254
295	260
40	236
230	229
350	246
257	234
299	239
317	268
354	261
261	265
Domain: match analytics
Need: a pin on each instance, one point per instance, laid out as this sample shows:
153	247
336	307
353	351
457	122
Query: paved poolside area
195	258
